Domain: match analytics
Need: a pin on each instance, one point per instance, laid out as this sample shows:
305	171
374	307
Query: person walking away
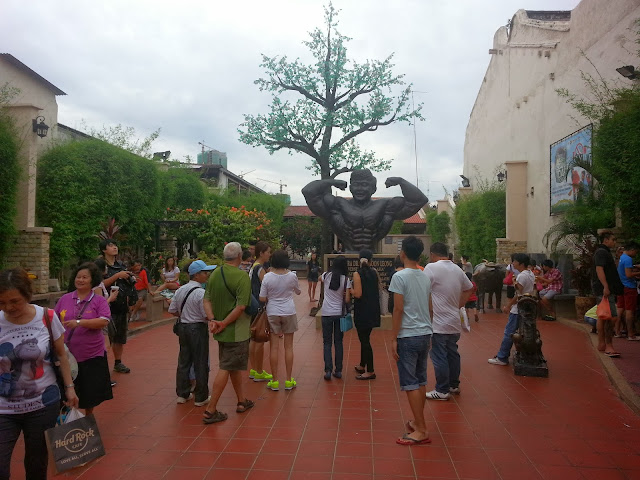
118	327
605	282
256	349
193	335
525	284
450	290
84	316
472	304
337	294
142	287
313	273
366	311
226	298
277	289
628	301
411	333
32	406
551	281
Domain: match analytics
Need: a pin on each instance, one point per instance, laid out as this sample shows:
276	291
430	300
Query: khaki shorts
142	294
233	356
283	323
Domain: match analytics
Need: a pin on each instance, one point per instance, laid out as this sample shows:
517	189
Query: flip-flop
244	406
633	339
214	417
612	354
407	440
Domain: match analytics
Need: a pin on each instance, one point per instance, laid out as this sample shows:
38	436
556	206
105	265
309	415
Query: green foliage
439	226
184	263
272	205
181	188
480	219
83	184
396	227
335	100
10	168
125	138
301	233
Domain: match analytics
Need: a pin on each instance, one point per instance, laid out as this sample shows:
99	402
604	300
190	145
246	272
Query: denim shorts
412	364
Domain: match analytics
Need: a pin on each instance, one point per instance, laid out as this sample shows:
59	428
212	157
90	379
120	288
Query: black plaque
382	263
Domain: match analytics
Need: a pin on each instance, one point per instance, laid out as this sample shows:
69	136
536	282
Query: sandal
214	417
244	406
362	376
359	369
407	440
612	354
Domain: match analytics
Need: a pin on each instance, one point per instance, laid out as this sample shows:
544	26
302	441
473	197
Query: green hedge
439	226
480	219
9	178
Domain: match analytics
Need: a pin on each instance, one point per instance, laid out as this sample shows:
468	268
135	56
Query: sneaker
274	385
327	375
121	368
337	374
202	403
497	361
454	390
252	374
182	400
289	385
262	377
436	395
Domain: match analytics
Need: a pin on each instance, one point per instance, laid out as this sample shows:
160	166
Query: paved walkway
571	425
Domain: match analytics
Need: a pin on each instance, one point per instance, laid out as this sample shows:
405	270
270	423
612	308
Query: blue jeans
331	333
446	360
194	350
412	364
32	425
507	341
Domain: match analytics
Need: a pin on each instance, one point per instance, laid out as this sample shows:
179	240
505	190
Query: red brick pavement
571	425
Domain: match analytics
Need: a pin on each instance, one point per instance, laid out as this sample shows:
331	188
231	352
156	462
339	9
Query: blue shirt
415	287
626	262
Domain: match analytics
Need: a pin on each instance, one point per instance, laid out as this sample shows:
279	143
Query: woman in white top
169	276
277	289
336	292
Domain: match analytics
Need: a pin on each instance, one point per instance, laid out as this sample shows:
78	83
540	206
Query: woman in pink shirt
84	314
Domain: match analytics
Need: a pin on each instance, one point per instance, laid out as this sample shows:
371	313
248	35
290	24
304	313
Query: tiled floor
569	426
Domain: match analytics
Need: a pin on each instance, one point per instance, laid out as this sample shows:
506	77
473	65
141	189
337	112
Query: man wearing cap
193	334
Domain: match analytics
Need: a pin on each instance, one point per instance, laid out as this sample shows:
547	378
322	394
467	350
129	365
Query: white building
518	114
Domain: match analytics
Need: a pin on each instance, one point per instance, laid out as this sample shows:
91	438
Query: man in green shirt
227	295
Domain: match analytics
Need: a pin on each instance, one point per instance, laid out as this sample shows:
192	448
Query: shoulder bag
176	326
253	307
260	330
346	321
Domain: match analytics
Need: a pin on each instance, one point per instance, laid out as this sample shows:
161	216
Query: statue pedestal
527	370
385	322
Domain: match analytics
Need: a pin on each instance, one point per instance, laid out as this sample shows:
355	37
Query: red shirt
556	279
143	281
473	296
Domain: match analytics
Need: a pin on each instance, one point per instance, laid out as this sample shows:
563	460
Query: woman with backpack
256	349
366	312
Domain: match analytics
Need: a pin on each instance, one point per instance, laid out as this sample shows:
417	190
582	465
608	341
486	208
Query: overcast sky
188	68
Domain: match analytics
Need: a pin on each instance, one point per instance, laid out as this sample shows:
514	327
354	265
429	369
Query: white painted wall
518	114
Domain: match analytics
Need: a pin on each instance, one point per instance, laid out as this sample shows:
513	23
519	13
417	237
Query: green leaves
319	109
438	226
10	168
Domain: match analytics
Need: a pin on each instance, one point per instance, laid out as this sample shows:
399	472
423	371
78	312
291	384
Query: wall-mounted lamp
628	71
502	176
40	128
465	181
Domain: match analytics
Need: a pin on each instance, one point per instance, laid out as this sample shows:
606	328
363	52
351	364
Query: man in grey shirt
193	334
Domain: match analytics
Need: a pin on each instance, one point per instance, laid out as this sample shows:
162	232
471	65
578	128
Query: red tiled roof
298	210
415	219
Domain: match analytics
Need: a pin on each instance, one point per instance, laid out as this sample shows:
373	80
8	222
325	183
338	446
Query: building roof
416	219
298	210
21	66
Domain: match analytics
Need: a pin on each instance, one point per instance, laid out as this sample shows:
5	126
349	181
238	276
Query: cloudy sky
188	68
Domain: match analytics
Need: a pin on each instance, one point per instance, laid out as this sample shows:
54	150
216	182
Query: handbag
508	280
260	329
74	444
604	309
176	325
346	323
254	305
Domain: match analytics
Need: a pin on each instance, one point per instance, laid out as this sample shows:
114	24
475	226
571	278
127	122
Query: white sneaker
454	391
181	400
436	395
203	403
497	361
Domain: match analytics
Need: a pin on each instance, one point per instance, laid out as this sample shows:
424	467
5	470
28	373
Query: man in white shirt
525	283
193	334
450	290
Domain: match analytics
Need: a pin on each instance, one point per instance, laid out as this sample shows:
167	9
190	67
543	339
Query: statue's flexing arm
318	195
403	207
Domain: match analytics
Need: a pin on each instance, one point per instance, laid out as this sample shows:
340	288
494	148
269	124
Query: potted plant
581	275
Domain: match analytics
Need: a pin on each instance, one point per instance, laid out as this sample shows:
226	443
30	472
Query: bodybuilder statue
360	222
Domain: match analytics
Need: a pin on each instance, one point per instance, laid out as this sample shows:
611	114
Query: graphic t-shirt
85	343
279	290
27	379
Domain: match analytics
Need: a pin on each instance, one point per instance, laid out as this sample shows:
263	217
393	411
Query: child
471	305
411	333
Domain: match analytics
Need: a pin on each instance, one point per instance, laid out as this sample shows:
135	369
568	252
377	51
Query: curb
151	325
625	392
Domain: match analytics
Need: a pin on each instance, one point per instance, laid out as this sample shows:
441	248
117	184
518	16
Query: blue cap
198	266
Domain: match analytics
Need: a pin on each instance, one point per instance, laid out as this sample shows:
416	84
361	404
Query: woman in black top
313	274
366	284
